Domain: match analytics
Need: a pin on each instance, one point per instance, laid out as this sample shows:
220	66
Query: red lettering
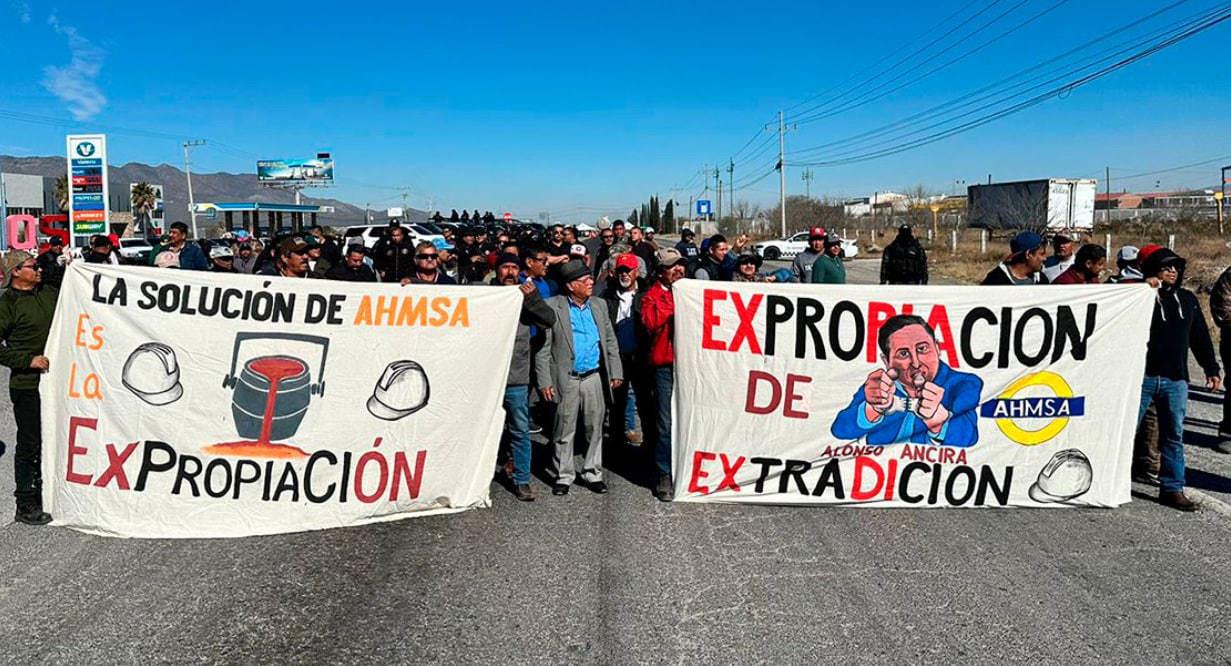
728	473
401	472
750	402
891	481
938	319
115	467
699	459
74	450
878	314
383	481
745	330
862	464
709	320
792	397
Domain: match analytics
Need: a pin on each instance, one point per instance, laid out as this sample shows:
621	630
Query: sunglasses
427	257
608	236
1170	268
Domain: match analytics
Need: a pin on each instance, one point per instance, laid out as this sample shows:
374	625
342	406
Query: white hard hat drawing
402	390
152	373
1067	475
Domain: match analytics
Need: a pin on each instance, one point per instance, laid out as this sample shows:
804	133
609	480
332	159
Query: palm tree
144	200
61	192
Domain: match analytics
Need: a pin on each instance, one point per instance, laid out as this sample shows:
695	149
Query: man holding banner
658	318
26	310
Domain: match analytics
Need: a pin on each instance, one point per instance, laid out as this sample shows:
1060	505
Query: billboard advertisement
87	180
295	171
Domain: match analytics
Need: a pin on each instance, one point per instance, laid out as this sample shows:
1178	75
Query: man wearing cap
245	261
1024	265
353	267
178	252
577	368
1129	264
318	265
100	251
1177	326
1063	255
658	321
715	263
828	268
290	259
329	247
622	297
26	309
535	313
577	252
222	259
801	267
427	266
1088	265
904	260
394	254
687	248
746	267
49	262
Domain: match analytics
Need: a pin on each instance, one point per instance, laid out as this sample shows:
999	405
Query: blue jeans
517	425
630	408
1170	396
664	384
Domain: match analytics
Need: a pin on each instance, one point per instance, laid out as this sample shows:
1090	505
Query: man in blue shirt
577	368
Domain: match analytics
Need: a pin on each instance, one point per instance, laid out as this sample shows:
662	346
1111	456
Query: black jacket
53	270
394	260
344	273
999	276
904	262
1177	325
534	312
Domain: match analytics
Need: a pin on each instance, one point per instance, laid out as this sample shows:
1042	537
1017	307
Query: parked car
371	233
135	250
787	248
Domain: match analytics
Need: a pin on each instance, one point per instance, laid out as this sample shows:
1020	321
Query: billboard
153	219
295	171
87	182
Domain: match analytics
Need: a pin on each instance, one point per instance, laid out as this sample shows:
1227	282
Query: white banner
907	396
188	404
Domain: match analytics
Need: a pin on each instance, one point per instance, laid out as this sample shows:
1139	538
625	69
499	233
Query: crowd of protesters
593	359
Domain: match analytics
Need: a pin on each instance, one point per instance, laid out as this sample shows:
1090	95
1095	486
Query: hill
210	187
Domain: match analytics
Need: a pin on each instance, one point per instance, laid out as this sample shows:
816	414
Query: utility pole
807	177
782	130
731	188
718	193
192	204
1222	198
1107	204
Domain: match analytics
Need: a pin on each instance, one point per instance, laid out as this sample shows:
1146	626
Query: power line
1183	167
996	87
1222	15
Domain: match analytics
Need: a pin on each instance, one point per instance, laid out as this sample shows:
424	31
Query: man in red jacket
1087	266
658	319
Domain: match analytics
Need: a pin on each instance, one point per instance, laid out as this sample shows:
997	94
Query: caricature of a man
916	398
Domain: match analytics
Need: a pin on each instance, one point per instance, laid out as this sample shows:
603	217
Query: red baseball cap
627	260
816	232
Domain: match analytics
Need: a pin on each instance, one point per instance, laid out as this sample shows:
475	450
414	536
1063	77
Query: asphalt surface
622	578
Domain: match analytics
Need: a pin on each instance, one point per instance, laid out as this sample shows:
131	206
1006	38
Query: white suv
787	248
371	233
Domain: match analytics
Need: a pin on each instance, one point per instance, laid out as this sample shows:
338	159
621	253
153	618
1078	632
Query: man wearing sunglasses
290	259
427	266
26	309
1177	326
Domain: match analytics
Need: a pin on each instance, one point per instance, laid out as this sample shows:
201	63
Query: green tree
669	215
632	218
655	218
144	201
61	192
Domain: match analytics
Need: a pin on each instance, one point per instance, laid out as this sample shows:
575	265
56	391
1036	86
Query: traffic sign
704	207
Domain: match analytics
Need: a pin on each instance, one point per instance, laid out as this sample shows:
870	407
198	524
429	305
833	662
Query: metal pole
192	204
1223	189
731	189
1107	205
782	170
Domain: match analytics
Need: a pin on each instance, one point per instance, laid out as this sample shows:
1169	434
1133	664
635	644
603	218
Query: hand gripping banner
189	404
907	396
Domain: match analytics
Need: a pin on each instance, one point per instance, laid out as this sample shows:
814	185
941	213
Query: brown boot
1177	501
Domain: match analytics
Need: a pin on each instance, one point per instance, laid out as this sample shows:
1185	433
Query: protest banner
907	396
192	404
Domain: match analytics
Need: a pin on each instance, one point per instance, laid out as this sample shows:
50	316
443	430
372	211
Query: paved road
622	578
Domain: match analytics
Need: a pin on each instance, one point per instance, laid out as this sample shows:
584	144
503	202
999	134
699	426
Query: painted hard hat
402	390
1067	475
152	373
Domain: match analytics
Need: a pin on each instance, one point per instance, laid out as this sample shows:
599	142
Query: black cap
753	259
55	240
507	258
688	233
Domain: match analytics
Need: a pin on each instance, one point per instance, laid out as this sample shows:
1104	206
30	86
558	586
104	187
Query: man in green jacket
828	268
26	310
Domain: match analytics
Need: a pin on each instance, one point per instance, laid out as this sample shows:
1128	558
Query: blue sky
586	108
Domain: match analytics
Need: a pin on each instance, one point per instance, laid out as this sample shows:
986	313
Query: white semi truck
1053	203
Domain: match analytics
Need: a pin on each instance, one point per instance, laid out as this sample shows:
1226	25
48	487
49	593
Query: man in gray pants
577	367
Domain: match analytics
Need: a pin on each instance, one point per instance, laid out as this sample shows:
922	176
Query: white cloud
23	11
75	83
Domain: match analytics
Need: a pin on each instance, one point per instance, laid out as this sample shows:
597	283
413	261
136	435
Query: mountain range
206	187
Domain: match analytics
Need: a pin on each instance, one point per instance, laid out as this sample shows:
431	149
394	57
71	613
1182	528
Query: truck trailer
1044	204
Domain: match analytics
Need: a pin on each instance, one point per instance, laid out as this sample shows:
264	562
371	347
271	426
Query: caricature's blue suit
962	392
